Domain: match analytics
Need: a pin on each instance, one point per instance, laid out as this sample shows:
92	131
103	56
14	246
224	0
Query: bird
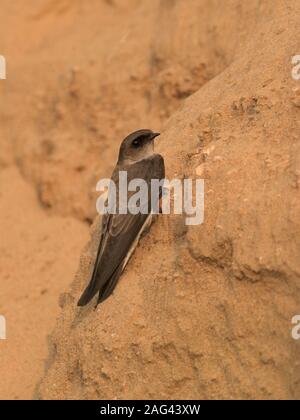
120	233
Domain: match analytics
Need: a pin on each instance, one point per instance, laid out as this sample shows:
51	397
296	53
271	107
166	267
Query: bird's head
137	146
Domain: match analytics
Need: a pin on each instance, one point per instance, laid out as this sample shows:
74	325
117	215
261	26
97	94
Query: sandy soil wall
201	312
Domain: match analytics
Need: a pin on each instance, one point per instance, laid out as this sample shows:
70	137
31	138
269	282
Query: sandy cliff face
200	312
33	271
87	73
205	312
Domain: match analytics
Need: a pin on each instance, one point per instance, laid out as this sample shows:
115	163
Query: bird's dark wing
119	232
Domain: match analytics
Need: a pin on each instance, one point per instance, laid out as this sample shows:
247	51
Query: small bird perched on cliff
121	232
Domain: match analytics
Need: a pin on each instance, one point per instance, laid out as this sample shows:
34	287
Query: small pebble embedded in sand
208	150
217	159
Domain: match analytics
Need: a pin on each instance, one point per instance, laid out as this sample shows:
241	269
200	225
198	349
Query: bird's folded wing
120	230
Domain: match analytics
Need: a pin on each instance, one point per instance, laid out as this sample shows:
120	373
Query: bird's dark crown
136	145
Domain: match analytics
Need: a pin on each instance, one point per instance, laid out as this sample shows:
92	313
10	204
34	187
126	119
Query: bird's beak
154	135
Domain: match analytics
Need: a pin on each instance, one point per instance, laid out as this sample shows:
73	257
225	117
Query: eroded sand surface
200	312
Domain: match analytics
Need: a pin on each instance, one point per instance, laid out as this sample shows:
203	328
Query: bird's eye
135	143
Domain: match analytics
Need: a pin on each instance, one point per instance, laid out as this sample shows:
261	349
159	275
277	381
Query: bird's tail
105	291
109	287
